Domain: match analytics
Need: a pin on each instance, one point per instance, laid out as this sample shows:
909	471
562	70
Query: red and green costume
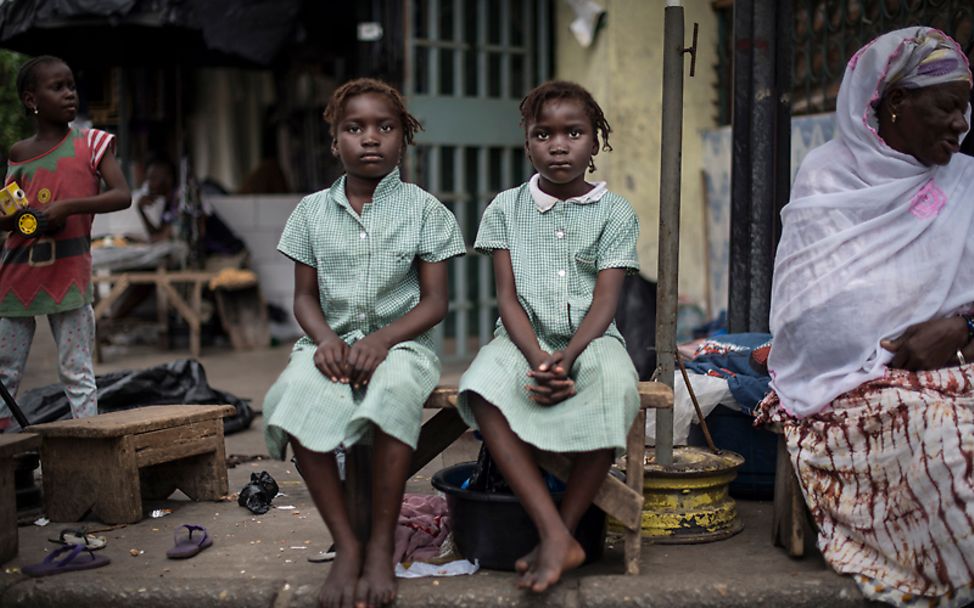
52	274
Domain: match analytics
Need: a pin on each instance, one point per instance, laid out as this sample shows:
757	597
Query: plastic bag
487	477
258	494
176	382
710	392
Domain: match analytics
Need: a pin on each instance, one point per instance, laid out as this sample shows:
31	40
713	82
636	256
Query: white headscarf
873	241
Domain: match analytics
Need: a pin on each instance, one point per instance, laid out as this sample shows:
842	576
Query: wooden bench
107	464
166	295
11	445
791	523
621	500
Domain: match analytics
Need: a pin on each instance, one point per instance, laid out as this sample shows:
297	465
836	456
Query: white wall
259	220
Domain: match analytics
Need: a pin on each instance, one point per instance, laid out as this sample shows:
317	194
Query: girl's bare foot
377	586
526	562
554	556
338	591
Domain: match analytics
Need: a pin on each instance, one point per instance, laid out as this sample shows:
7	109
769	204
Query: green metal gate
468	64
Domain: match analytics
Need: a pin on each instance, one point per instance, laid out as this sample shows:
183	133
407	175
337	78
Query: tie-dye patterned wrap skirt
887	471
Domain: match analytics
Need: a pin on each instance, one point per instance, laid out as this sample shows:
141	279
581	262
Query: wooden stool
11	445
621	500
106	464
791	523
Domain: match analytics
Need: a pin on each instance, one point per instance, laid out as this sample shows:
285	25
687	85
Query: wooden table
107	464
622	500
166	294
11	445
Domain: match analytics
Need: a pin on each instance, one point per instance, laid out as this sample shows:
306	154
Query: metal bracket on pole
692	49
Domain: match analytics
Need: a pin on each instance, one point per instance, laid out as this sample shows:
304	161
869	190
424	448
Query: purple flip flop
71	562
188	546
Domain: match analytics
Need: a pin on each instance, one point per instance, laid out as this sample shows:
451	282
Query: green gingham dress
556	256
367	278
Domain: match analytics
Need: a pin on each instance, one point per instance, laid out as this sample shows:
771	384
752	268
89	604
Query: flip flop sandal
323	556
187	546
72	561
77	536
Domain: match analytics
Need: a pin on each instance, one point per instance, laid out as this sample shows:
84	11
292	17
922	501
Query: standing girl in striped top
370	282
556	376
60	168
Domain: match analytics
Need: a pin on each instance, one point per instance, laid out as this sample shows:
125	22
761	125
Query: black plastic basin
496	530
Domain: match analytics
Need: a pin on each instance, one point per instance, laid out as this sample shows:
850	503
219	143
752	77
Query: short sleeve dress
556	256
52	274
367	278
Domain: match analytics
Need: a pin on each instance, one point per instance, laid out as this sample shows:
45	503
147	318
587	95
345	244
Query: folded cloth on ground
424	524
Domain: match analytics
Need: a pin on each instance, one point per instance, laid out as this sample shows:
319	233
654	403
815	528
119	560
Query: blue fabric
731	357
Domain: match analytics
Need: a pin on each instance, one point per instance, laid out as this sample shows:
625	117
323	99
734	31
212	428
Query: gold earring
892	115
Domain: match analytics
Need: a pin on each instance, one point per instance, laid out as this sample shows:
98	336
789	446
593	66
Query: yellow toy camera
13	201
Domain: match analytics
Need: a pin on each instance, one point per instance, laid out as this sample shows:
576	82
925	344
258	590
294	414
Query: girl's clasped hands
552	382
351	364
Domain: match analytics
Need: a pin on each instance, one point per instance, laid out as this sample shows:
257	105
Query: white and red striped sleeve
99	142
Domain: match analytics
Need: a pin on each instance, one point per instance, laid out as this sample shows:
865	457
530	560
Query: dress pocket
397	263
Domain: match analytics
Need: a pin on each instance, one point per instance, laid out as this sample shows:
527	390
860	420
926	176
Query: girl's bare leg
320	472
558	550
391	458
588	472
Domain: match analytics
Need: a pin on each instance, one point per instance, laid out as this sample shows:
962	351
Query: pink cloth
424	524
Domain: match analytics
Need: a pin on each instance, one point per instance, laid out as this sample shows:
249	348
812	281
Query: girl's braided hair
532	104
336	105
27	75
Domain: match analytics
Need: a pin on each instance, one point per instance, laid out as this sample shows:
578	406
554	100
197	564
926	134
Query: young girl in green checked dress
556	376
370	282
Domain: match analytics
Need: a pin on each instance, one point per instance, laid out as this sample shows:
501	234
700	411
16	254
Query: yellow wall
623	70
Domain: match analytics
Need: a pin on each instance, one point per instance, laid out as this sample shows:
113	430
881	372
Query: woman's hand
552	381
364	357
330	359
928	345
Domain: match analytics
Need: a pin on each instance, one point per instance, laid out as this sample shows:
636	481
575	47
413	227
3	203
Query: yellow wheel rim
27	224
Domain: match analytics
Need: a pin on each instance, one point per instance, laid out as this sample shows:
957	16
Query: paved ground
262	561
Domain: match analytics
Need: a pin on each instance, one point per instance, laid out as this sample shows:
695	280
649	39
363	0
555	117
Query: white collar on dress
544	201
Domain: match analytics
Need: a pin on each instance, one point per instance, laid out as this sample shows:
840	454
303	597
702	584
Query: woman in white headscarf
873	337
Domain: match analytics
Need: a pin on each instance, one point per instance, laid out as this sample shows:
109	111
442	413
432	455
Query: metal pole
763	114
760	174
669	217
739	278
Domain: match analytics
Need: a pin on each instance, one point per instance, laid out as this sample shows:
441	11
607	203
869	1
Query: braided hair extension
360	86
534	101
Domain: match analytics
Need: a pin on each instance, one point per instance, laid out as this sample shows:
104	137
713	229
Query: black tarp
176	382
203	32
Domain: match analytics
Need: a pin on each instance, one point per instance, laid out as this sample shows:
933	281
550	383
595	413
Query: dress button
561	273
560	234
361	316
362	235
